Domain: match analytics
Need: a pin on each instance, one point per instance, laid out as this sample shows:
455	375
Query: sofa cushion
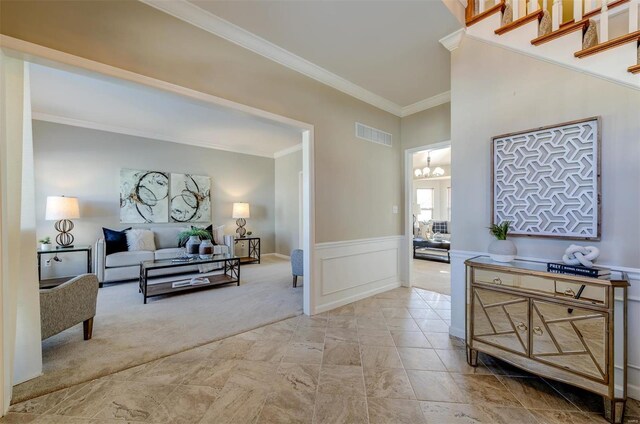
167	237
169	253
115	241
128	258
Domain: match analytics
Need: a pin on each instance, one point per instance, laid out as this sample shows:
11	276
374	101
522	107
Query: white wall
496	91
287	190
86	163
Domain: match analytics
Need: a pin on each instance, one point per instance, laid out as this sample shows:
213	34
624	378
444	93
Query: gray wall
288	170
427	127
519	93
86	163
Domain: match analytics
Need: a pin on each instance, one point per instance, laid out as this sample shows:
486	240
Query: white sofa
122	266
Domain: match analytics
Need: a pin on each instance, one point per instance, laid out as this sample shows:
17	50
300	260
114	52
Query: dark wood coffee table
160	277
432	250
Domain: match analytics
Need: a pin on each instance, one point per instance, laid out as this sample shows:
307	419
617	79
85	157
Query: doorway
428	217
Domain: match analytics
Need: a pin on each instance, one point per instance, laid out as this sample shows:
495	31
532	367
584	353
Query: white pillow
218	234
140	239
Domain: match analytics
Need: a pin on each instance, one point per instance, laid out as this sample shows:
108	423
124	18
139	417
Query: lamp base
64	237
241	231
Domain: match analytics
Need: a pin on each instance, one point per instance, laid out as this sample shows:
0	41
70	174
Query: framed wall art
144	196
546	181
190	198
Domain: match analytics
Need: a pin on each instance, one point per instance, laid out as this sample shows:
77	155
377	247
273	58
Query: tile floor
386	359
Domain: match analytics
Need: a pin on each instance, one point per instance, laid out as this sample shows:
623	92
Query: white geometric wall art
144	196
546	181
190	198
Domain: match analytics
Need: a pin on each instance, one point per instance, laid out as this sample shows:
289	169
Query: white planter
45	246
502	251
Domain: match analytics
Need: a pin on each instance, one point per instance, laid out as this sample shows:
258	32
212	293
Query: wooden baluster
533	6
633	15
577	10
604	22
481	6
515	4
556	15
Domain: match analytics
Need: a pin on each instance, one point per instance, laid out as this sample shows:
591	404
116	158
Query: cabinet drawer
495	277
595	295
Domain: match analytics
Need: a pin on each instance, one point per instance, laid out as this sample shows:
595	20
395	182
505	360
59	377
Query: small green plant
500	231
198	232
45	240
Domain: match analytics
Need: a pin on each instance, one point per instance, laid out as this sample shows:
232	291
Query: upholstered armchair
68	304
296	265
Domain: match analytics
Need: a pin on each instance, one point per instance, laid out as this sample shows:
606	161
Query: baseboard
362	295
278	255
457	332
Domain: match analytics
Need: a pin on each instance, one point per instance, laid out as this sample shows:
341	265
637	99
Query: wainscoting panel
458	274
352	270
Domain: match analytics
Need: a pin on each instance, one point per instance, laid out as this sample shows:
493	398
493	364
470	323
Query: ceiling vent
373	135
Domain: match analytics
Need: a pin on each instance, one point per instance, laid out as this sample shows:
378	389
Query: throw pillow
140	239
441	227
115	241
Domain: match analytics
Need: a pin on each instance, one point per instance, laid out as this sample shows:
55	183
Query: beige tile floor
386	359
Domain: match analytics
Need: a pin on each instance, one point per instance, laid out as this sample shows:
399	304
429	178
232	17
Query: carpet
127	333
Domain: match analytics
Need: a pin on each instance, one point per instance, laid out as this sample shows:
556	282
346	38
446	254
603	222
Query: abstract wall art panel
546	181
190	198
144	196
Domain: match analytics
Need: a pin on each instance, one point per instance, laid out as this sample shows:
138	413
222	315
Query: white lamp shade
60	207
240	210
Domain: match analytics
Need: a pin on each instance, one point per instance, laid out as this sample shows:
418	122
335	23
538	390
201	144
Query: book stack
582	271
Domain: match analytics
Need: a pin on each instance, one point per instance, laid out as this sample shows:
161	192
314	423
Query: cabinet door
501	319
571	338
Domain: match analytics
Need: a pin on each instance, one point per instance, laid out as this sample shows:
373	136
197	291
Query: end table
52	282
253	255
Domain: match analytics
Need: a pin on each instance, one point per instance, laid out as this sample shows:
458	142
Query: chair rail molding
347	271
458	276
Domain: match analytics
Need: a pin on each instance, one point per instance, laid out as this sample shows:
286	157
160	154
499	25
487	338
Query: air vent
373	135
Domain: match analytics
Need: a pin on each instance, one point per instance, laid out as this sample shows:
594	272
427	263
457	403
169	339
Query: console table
559	326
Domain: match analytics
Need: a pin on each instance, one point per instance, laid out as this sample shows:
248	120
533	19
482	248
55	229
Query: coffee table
161	277
430	249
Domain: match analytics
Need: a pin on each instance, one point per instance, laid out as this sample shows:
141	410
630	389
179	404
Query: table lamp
62	209
240	212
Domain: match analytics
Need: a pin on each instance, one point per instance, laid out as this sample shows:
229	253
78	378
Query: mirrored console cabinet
563	327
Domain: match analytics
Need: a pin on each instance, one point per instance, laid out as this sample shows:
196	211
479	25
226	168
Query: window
449	203
424	198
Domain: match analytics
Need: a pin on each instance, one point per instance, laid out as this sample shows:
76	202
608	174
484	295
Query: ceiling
94	101
389	48
439	157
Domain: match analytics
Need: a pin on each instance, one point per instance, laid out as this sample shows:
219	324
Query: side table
253	254
52	282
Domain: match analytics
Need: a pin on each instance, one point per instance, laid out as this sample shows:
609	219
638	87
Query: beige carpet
128	333
432	275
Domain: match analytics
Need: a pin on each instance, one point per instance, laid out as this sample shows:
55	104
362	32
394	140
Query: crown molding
452	41
287	151
437	100
56	119
213	24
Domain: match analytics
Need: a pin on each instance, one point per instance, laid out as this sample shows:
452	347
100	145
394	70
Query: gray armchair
68	304
296	265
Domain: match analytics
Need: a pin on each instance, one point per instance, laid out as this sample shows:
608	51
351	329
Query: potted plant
192	239
501	249
45	243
